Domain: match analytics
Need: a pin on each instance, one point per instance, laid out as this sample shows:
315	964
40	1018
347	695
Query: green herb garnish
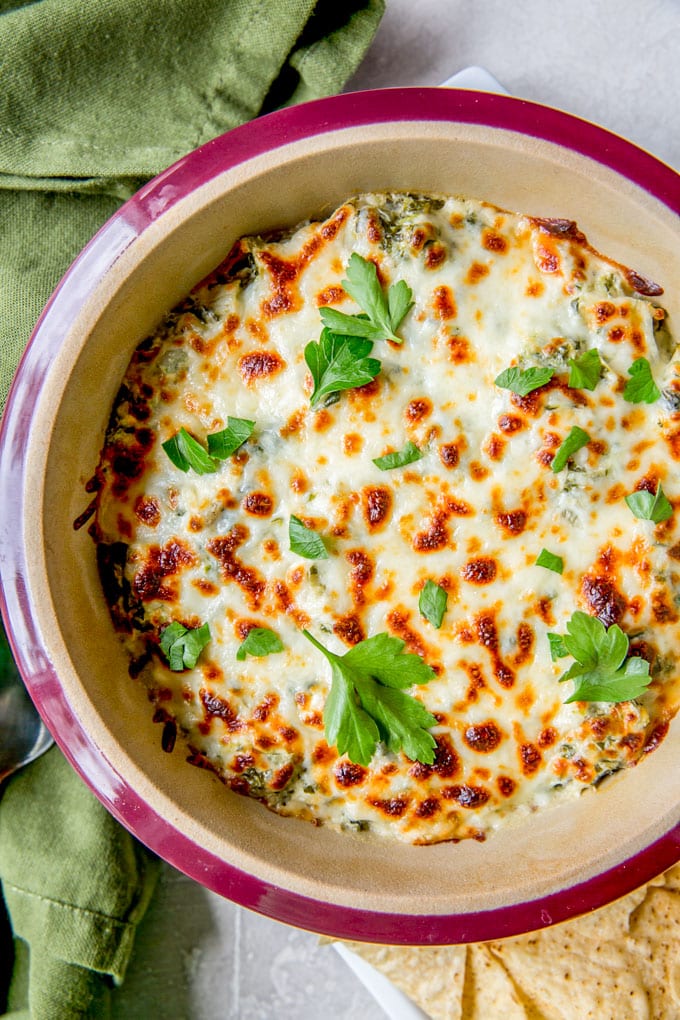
432	603
650	506
641	388
383	314
557	648
601	671
186	452
305	541
260	642
222	444
523	381
367	703
585	370
182	645
339	363
576	439
550	561
400	458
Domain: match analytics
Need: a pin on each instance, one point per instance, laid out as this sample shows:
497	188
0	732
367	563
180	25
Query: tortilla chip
620	962
431	976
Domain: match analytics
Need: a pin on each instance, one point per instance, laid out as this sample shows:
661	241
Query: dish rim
135	216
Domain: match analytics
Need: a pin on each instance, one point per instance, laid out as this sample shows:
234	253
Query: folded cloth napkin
95	98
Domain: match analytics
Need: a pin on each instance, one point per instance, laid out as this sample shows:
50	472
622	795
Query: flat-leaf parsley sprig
382	313
602	670
339	363
182	645
367	703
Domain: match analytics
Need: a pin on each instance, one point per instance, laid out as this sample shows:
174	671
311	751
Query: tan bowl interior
545	852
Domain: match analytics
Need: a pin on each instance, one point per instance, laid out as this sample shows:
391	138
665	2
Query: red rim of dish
129	222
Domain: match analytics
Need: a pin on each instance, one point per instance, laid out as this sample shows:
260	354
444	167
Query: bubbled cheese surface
491	290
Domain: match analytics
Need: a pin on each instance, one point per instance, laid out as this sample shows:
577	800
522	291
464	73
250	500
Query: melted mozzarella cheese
491	290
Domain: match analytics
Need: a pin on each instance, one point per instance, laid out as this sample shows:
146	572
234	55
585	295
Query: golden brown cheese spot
476	272
443	303
418	409
205	587
487	636
435	537
604	310
393	807
323	420
546	256
658	733
435	255
330	296
352	443
349	629
495	447
398	622
530	758
534	288
460	351
449	454
427	808
512	522
259	365
247	578
481	570
506	786
663	609
478	472
494	242
446	761
483	737
376	503
525	643
286	604
673	441
603	598
469	797
148	511
547	737
361	573
161	564
258	504
347	773
215	706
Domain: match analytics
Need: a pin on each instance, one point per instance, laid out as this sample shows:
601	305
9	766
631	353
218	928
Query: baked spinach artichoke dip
387	517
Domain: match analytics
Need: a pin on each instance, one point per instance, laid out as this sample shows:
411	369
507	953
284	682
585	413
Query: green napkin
75	885
95	98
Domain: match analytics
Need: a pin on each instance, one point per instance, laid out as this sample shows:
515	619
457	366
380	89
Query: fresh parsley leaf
602	671
650	507
222	444
432	602
186	452
182	645
576	439
523	381
557	648
339	363
305	541
585	370
367	702
641	388
400	458
260	642
382	314
550	561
